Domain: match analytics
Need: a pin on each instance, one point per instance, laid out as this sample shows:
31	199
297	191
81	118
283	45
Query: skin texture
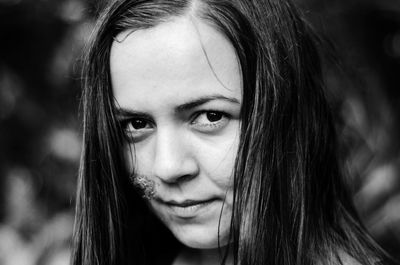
187	150
146	185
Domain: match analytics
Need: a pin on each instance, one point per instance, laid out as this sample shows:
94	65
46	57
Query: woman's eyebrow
202	100
122	114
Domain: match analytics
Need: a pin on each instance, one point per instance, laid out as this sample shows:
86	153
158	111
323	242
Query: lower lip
190	211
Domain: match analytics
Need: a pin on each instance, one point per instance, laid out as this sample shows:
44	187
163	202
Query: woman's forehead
184	56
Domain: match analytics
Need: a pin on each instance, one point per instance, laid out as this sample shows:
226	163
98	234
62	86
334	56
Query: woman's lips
188	208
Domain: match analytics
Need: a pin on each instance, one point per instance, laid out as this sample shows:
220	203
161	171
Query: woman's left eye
210	121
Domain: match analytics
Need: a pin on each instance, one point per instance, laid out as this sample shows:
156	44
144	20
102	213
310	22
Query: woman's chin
199	228
201	237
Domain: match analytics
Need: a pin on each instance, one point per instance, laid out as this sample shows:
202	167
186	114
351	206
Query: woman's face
178	89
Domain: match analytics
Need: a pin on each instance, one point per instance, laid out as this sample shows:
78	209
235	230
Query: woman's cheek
218	160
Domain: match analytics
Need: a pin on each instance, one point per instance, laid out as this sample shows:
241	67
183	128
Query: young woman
208	140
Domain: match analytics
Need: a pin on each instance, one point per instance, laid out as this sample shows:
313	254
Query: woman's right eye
136	129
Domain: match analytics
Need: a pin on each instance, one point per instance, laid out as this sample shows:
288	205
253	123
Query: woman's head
210	101
178	92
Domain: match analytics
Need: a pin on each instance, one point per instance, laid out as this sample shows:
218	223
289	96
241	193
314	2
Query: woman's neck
190	256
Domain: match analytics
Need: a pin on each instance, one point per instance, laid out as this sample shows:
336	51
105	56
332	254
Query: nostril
180	179
187	178
177	179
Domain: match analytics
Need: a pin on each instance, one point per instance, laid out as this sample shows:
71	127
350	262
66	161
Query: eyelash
129	133
209	127
211	124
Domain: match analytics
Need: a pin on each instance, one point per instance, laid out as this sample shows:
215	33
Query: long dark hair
291	205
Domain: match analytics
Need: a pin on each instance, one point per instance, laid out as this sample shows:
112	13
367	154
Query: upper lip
185	203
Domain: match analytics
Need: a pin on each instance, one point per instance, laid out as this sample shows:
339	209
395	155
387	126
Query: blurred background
41	42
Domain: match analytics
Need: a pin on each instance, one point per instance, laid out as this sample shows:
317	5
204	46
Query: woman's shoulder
339	258
346	259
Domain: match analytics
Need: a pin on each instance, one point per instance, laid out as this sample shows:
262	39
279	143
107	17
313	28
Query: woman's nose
174	158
